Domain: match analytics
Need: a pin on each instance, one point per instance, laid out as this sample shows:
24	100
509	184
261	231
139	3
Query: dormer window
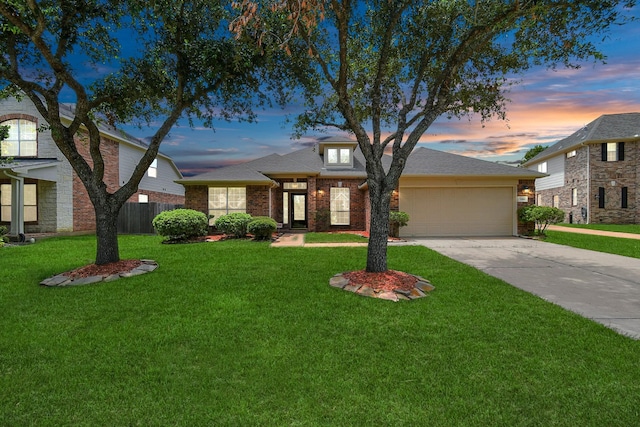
338	157
22	140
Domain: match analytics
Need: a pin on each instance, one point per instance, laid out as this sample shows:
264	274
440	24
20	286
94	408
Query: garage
458	211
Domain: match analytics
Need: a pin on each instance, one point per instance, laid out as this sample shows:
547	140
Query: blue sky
546	106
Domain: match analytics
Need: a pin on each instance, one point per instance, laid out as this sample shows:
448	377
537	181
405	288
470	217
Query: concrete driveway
596	285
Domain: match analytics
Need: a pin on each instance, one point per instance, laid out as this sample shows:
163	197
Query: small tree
397	220
542	216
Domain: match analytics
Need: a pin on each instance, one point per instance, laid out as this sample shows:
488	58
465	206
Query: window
612	151
226	200
294	186
153	169
542	167
30	203
574	197
571	153
601	197
556	201
338	156
340	202
285	207
624	198
22	140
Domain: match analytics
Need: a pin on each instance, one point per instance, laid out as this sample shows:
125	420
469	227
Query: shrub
3	237
234	224
262	227
542	216
397	220
323	219
180	224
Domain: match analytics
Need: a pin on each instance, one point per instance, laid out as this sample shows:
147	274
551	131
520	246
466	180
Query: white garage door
458	211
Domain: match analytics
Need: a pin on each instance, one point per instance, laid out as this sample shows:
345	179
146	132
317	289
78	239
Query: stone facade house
40	192
323	187
594	174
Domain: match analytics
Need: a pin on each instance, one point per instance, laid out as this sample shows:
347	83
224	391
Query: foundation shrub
233	224
262	227
180	224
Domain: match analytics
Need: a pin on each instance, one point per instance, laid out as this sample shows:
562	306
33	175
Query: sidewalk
290	240
593	232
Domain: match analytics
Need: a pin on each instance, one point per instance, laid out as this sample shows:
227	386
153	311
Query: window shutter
604	151
601	197
624	197
620	150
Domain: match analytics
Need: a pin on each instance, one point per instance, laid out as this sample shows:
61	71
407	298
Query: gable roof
606	128
427	162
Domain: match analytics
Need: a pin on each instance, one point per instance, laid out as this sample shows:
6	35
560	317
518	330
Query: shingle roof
422	162
608	127
427	162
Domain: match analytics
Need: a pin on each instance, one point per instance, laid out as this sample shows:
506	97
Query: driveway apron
596	285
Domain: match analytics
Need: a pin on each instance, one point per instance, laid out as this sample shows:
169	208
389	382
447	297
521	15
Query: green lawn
620	228
334	238
236	333
612	245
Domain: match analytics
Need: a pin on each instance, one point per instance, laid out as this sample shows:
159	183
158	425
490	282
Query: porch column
17	205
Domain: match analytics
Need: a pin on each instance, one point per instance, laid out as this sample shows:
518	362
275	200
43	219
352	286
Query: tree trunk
378	230
107	235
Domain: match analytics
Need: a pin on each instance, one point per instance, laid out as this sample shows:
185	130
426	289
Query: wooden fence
135	218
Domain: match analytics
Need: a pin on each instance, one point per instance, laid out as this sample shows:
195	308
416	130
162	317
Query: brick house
594	174
323	187
40	192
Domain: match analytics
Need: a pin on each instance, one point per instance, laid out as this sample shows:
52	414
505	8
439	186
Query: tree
170	58
386	70
534	151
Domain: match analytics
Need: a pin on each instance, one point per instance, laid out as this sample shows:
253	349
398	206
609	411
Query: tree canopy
388	69
127	61
532	152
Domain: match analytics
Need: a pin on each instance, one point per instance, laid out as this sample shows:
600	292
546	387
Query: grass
238	333
612	245
619	228
334	238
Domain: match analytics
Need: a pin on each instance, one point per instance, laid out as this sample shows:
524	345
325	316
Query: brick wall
196	197
358	217
612	176
526	188
258	200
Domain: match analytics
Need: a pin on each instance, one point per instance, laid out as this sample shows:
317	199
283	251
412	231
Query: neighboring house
324	187
594	174
40	192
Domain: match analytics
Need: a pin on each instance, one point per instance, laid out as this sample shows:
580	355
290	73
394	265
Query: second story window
542	167
338	156
612	151
153	169
22	140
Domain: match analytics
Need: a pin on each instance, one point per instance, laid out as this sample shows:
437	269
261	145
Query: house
594	174
40	192
324	187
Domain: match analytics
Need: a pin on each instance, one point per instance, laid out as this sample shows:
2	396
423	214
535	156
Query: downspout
17	204
270	216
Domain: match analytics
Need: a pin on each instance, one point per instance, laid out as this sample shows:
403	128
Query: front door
298	211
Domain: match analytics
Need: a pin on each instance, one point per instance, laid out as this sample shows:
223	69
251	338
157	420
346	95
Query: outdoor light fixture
525	189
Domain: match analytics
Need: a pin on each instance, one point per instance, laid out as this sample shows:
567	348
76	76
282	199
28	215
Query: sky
545	107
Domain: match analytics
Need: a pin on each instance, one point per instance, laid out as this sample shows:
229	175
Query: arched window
22	140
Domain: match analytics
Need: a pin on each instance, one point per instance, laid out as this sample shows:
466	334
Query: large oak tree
389	68
165	59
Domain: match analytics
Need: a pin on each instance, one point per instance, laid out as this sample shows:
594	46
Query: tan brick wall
196	197
612	176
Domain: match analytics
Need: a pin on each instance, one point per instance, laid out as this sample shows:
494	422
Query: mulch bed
389	280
